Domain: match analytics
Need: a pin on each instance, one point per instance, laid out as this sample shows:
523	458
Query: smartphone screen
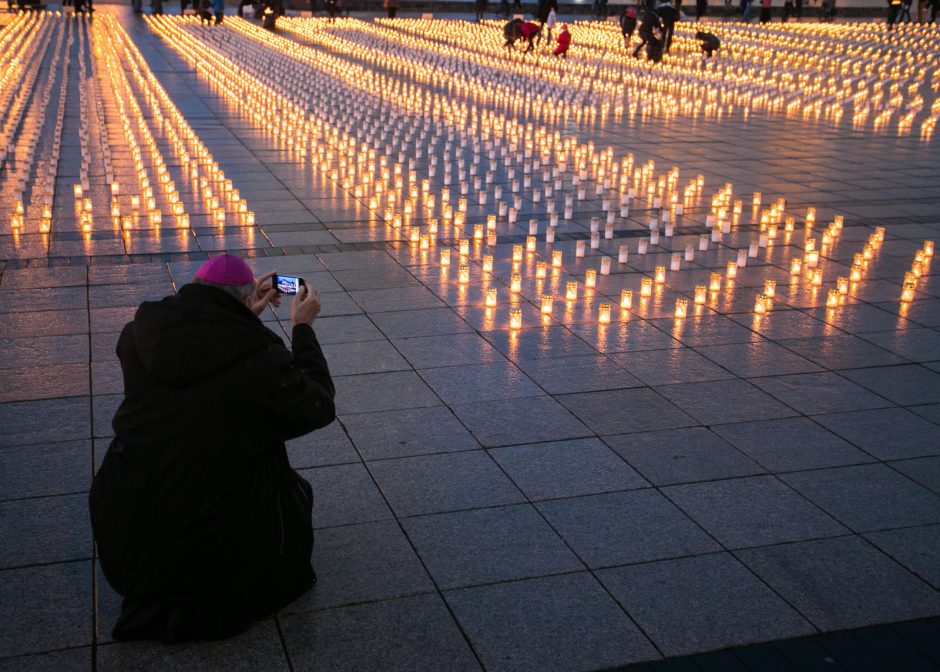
287	284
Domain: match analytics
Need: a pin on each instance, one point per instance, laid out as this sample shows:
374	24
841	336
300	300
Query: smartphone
287	284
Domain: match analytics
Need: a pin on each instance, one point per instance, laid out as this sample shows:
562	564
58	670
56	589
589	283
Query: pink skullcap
225	270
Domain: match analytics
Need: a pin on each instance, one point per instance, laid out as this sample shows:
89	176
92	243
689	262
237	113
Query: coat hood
194	334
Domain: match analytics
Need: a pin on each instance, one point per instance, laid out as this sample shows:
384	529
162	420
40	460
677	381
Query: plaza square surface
567	495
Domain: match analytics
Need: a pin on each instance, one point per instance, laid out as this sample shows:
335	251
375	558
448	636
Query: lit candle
515	283
700	294
590	278
796	266
603	313
760	306
832	298
928	248
855	274
907	292
464	247
714	282
770	288
530	244
516	253
646	287
463	275
547	304
731	270
571	291
682	306
491	297
842	285
515	318
478	232
77	191
445	257
817	277
626	299
487	263
556	259
540	269
660	275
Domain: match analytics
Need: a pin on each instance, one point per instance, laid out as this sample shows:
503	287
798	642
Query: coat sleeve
299	398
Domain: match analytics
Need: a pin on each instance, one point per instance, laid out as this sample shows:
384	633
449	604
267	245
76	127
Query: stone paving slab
561	497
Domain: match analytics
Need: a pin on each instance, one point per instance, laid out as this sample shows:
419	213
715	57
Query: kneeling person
201	523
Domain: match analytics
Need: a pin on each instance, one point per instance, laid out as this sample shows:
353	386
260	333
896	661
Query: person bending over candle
201	523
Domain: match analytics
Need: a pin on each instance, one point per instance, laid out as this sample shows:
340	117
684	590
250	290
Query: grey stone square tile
44	530
707	330
45	469
587	373
45	421
925	471
323	447
762	358
545	341
344	494
404	635
625	336
515	421
103	408
363	357
258	648
374	277
841	352
361	563
673	365
906	385
842	583
382	392
861	318
45	607
924	312
867	497
566	469
480	382
340	261
625	527
791	444
887	434
929	411
917	548
414	431
66	660
688	605
395	298
426	322
447	350
346	329
780	324
682	456
623	411
46	382
488	545
554	623
825	392
917	345
44	323
437	483
752	511
722	401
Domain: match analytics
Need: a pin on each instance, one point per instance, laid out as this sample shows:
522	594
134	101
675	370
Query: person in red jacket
564	41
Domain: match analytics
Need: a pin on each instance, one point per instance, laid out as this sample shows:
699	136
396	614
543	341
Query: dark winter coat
201	523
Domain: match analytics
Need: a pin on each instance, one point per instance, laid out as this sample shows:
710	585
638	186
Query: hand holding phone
305	306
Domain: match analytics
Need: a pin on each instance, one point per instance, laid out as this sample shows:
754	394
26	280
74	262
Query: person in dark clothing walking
480	9
701	9
542	12
799	10
628	24
894	13
200	521
392	7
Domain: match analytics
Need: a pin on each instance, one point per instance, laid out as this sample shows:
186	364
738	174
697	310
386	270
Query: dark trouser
894	14
392	11
668	30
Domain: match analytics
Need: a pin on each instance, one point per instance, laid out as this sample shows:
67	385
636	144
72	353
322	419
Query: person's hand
264	293
306	305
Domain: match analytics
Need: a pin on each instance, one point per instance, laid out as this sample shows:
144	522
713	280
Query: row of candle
769	219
